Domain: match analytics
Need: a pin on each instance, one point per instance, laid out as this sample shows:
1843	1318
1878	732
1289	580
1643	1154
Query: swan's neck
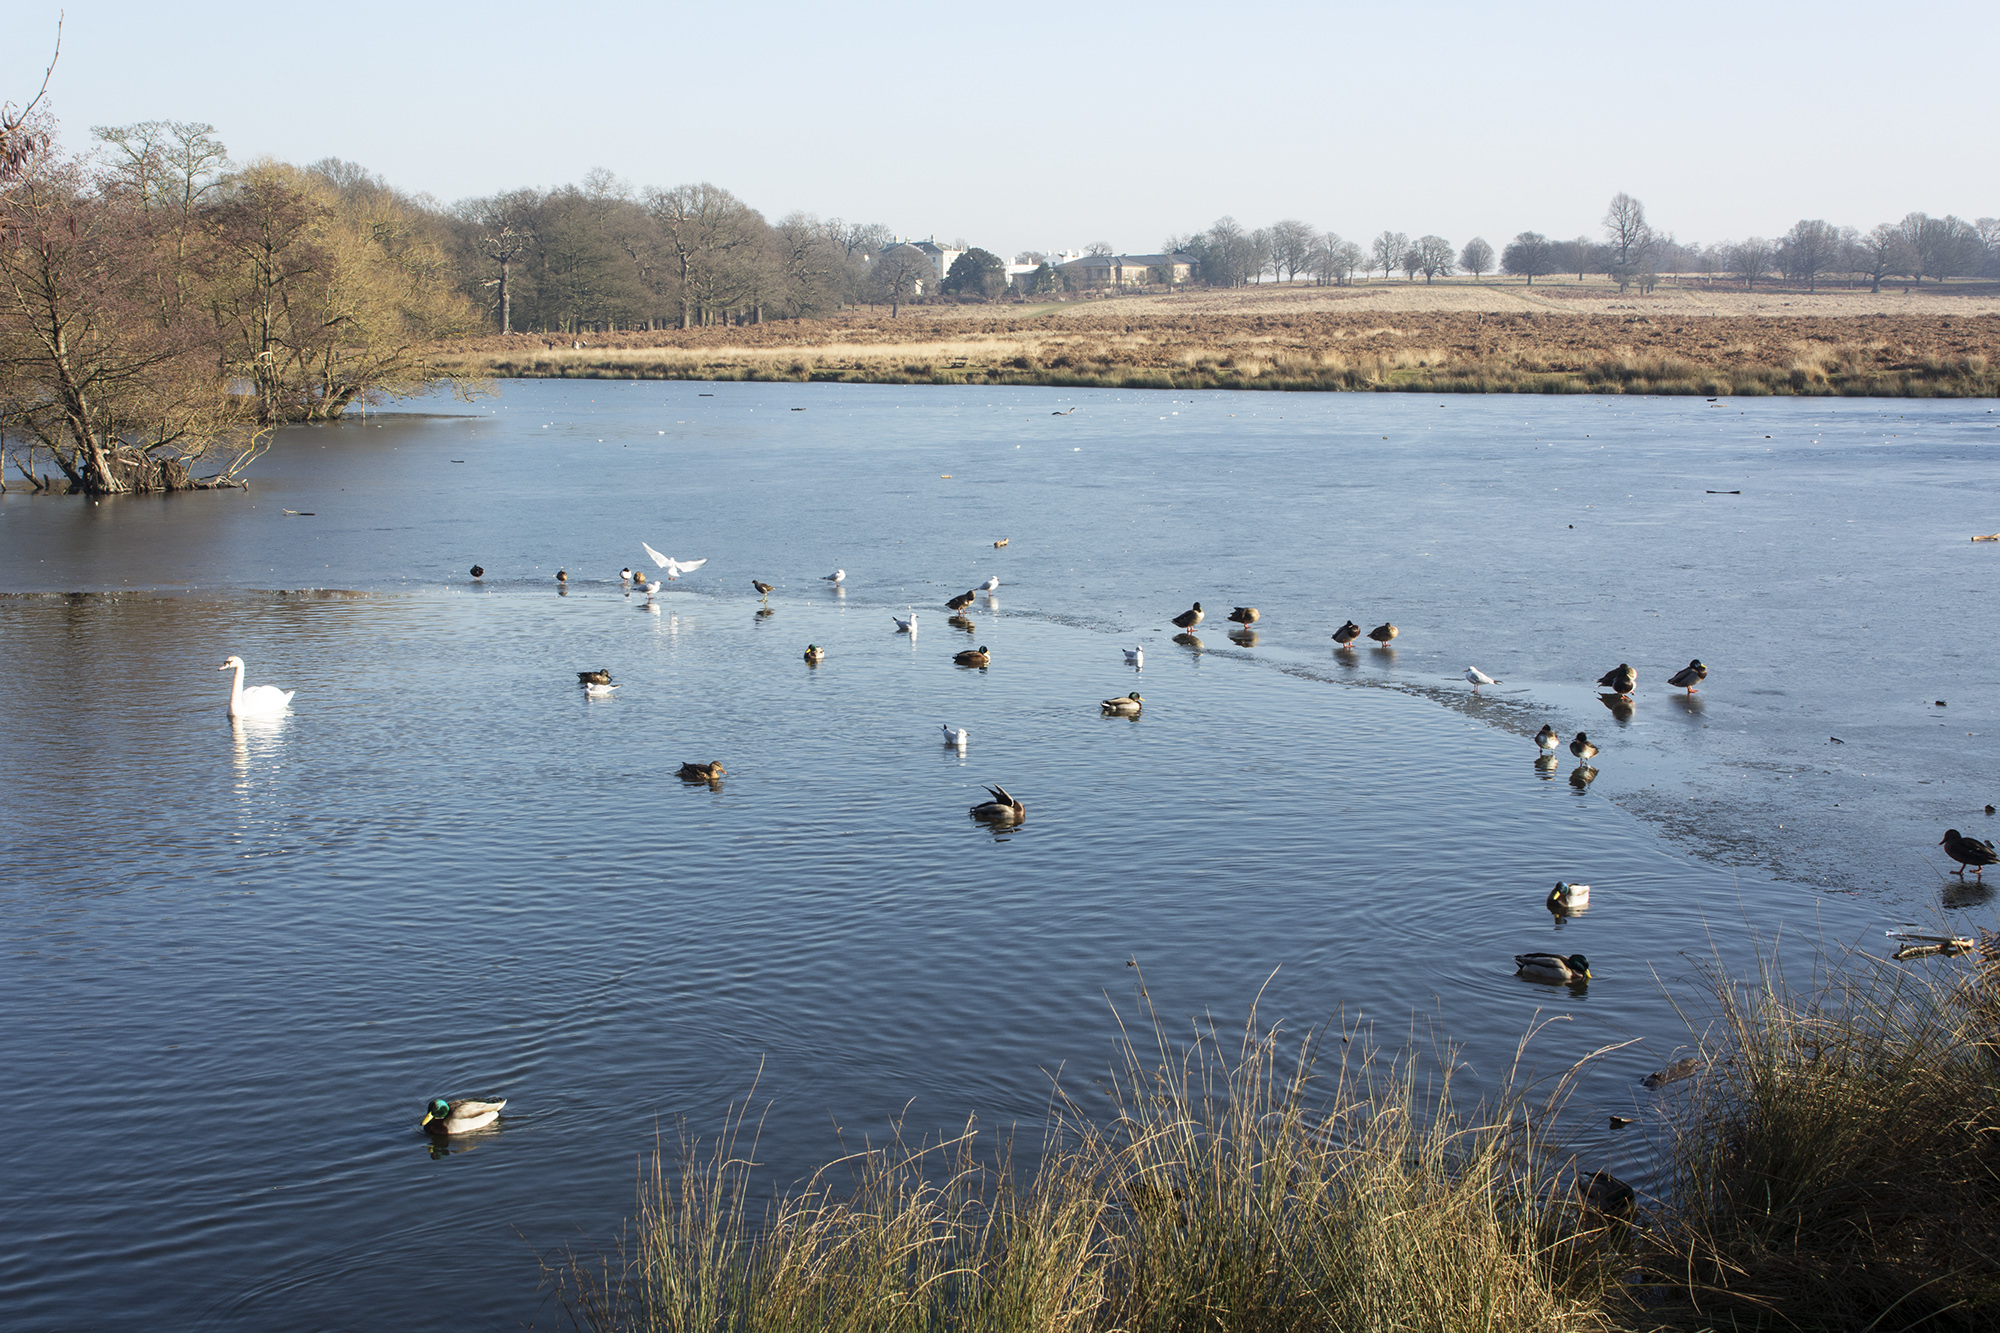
236	690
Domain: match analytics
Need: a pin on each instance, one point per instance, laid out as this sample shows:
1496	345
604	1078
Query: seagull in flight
674	568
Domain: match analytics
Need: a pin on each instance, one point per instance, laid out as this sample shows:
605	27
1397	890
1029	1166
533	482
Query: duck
764	590
479	571
625	574
1968	852
1620	679
1347	634
601	676
461	1115
1245	615
1002	542
1136	657
1547	739
1478	678
955	736
838	577
707	772
1568	896
815	654
1552	967
1002	809
973	657
599	691
1582	748
562	576
1384	632
1606	1194
258	700
959	603
1124	706
1188	619
1690	675
905	626
991	583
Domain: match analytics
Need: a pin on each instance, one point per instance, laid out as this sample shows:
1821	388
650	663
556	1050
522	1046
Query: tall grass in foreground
1839	1168
1226	1190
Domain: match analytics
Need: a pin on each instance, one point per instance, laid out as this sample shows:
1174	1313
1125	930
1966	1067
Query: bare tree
899	276
1577	254
1627	237
1098	248
1750	260
1388	250
702	226
1881	253
1412	262
1434	257
1292	246
1477	257
1529	255
21	137
504	228
1809	249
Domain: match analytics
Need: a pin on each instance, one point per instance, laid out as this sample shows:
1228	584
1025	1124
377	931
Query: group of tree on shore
160	306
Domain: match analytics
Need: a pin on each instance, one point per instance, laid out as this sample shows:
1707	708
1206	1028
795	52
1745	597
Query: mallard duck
955	736
973	657
764	589
1689	676
1620	679
991	583
1605	1193
1124	706
601	676
1552	967
1547	739
1478	678
1244	615
1002	809
905	626
1188	619
479	571
1136	657
1968	852
1568	896
1582	748
815	653
959	603
599	691
707	772
461	1115
1347	634
1384	632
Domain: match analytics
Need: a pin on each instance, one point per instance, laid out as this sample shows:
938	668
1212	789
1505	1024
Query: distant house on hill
939	257
1127	270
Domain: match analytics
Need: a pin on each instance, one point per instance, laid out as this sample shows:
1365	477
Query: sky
1051	126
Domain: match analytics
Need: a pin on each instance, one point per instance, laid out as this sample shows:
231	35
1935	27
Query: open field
1556	337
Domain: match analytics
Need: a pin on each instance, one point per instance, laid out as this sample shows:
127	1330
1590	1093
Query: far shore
1495	336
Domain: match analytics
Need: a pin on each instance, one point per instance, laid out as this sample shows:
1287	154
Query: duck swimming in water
707	772
460	1116
601	676
972	657
1002	809
1552	967
1125	706
815	654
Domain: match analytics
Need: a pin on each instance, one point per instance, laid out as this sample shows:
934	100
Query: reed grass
1227	1190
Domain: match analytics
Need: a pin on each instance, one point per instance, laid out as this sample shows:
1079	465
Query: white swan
991	583
258	700
905	626
957	736
1135	657
674	568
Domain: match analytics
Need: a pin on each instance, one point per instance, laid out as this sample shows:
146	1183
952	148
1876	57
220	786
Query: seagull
1478	678
838	576
1547	739
1621	679
957	736
674	568
1136	657
905	626
1968	852
1582	748
1187	620
1690	675
991	583
598	691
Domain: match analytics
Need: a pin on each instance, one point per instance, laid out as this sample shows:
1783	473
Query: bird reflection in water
1691	704
1244	638
764	612
1187	640
962	622
1972	893
1620	706
1546	765
254	738
1582	776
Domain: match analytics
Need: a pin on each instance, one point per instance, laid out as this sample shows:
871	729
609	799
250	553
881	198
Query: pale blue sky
1052	125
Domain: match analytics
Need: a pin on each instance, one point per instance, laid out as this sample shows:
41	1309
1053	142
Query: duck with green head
1552	967
1125	706
460	1116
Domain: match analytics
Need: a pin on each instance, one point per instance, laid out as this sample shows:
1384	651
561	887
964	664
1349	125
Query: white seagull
1136	657
674	568
991	583
838	576
955	736
1478	678
905	626
599	691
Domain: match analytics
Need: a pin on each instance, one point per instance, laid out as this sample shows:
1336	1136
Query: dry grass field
1558	336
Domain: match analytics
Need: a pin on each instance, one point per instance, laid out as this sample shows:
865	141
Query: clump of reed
1839	1167
1228	1189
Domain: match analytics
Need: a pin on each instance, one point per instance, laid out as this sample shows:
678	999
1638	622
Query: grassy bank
1834	1167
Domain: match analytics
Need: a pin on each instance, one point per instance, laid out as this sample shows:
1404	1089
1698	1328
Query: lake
240	957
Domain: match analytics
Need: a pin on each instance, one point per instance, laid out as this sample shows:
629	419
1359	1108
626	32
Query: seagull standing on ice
1478	678
991	583
674	568
838	577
